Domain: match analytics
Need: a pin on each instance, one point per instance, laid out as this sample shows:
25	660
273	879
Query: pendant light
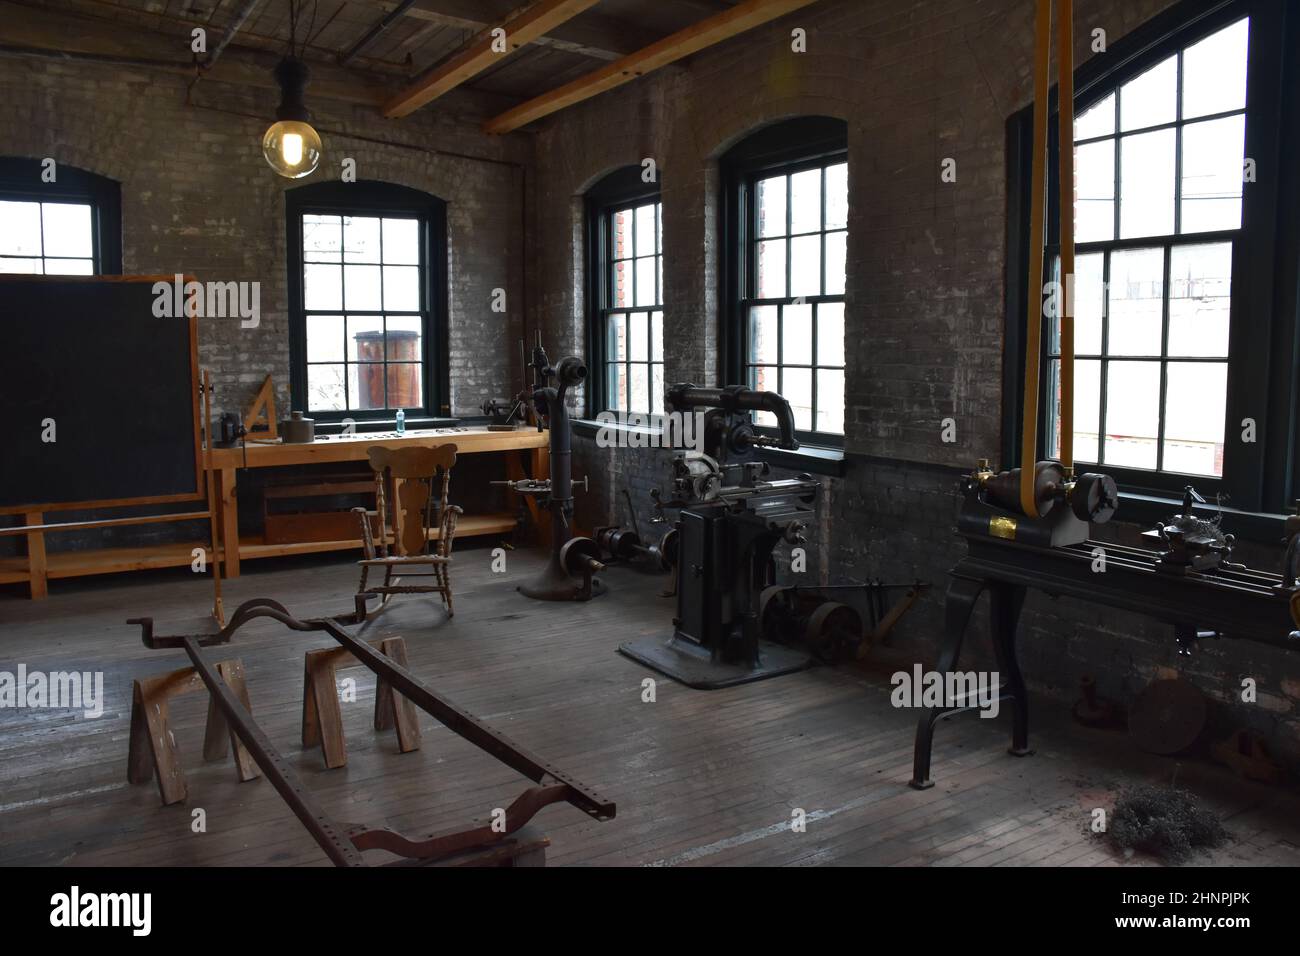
291	146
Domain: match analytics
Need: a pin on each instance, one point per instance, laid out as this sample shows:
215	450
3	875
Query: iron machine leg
1005	603
958	606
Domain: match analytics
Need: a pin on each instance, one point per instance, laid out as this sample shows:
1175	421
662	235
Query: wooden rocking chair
415	472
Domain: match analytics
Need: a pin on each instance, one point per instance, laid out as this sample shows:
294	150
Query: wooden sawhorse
152	749
322	718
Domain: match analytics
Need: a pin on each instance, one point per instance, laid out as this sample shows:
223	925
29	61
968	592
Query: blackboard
119	383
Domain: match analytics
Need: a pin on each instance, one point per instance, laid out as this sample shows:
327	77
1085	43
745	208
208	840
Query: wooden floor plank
700	778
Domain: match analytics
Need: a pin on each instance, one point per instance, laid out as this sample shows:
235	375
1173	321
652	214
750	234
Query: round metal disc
1094	498
832	626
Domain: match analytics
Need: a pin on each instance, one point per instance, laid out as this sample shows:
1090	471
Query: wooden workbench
525	450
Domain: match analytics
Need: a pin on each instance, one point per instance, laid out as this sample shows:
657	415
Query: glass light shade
292	148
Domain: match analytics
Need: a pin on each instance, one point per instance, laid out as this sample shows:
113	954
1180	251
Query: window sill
814	459
591	427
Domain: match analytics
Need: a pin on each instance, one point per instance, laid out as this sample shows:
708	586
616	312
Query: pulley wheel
668	550
766	607
778	617
623	544
581	556
832	629
1167	717
1003	489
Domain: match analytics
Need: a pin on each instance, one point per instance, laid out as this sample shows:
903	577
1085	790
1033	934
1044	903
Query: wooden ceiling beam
723	26
529	24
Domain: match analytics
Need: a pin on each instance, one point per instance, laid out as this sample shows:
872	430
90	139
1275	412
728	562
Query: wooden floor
700	778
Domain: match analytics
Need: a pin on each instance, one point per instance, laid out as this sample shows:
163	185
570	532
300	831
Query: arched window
1177	266
625	293
787	235
368	299
70	224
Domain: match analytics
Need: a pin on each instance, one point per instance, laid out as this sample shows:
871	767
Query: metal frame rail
344	845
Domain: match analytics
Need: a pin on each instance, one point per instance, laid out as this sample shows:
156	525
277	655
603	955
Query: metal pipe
373	33
328	835
734	398
44	53
241	15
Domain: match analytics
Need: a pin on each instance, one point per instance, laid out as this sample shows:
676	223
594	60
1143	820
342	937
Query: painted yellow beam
527	26
740	18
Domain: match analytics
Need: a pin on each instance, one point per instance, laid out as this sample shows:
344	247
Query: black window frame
20	180
620	189
784	148
378	199
1257	477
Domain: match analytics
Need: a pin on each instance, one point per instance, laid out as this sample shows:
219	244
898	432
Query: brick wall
198	198
917	82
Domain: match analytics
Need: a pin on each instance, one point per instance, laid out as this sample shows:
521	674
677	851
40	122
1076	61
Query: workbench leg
36	567
1005	603
229	521
958	606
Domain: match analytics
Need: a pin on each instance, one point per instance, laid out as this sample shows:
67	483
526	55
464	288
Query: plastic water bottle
401	422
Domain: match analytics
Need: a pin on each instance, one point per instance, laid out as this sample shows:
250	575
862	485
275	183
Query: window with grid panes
632	315
1158	219
793	308
364	301
69	227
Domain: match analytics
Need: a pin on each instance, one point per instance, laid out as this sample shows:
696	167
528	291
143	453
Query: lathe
1030	526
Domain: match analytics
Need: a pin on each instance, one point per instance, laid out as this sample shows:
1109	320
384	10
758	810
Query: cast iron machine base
570	571
731	519
568	575
688	663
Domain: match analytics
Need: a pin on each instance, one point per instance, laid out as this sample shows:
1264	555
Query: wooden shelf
71	564
525	454
74	564
14	571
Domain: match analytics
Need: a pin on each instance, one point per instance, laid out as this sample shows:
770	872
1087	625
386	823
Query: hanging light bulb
291	146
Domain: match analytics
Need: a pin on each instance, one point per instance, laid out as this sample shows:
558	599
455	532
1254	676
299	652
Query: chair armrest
367	540
448	531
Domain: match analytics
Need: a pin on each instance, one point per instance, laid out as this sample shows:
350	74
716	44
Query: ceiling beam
740	18
530	23
593	35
